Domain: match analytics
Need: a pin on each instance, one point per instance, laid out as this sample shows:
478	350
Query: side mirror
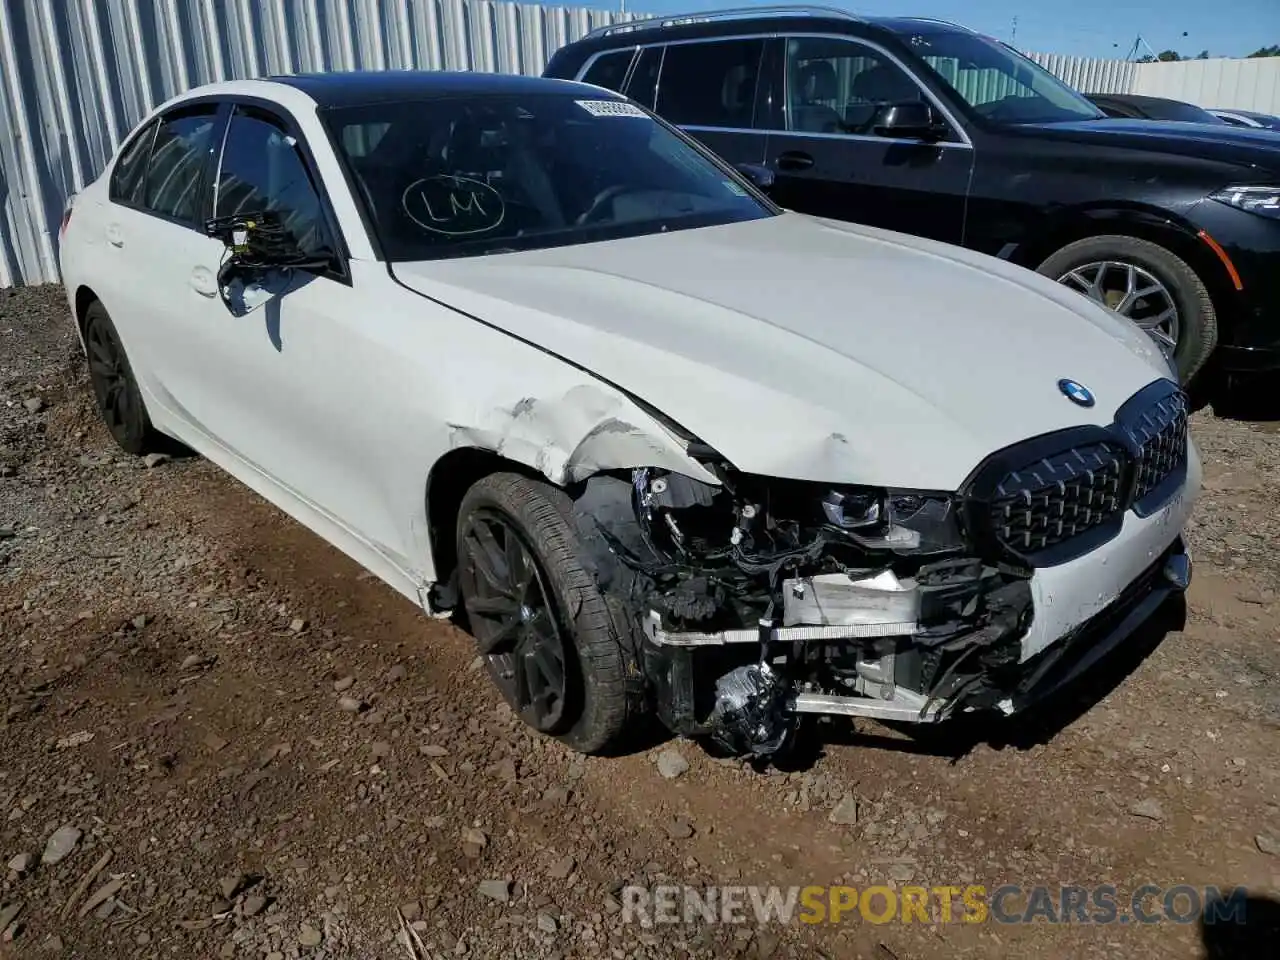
261	257
911	120
760	176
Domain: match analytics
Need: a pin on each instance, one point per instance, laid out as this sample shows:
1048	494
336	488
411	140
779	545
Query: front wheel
562	654
1148	285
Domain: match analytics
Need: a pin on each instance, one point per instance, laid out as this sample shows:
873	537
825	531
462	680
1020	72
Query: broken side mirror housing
258	245
910	120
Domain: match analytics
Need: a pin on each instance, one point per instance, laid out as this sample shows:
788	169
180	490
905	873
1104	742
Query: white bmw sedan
544	364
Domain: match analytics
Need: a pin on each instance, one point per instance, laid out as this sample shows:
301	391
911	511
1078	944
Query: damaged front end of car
762	599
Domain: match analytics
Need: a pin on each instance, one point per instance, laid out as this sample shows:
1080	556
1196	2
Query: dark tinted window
644	78
838	86
609	69
1184	112
464	176
262	171
177	164
710	84
127	175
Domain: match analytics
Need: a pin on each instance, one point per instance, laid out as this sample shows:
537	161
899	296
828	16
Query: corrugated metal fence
76	75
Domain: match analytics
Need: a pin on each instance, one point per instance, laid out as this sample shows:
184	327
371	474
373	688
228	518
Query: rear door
828	159
709	88
152	234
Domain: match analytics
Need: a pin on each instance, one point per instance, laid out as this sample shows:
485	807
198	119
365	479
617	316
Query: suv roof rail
709	16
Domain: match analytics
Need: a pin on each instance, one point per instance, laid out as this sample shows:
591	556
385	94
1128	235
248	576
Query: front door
828	159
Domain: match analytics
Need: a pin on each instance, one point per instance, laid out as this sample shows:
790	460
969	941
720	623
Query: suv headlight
1262	199
905	521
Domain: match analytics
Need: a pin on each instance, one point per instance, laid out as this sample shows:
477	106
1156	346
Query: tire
1198	322
114	386
603	690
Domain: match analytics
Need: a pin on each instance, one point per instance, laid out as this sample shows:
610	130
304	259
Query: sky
1087	28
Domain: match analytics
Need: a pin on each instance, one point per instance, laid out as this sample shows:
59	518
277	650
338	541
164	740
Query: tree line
1171	56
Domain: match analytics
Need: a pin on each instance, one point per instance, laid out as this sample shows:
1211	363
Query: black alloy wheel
114	387
513	617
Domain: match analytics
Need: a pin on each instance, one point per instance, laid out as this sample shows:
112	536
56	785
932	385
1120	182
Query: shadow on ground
1033	727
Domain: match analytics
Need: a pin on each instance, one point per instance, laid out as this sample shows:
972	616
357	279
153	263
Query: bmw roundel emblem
1077	393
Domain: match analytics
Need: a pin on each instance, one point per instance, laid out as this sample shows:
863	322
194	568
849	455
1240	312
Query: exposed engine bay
764	599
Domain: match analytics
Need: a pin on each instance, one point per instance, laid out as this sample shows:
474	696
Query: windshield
997	82
493	174
1186	112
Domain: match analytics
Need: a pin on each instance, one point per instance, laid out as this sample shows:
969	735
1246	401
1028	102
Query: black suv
928	128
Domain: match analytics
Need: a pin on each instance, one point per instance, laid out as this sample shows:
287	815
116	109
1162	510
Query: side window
127	175
838	86
610	69
261	171
644	78
710	84
175	172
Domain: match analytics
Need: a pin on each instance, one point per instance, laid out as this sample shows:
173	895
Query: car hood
813	349
1221	142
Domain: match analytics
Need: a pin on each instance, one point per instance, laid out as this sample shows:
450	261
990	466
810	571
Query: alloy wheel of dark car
1132	292
1149	285
513	619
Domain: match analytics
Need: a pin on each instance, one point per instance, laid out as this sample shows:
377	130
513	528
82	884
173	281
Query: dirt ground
221	739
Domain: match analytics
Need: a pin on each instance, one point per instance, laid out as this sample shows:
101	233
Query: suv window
262	171
609	69
644	78
711	84
176	168
127	175
838	86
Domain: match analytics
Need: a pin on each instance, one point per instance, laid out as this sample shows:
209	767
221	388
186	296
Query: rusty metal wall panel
76	75
1088	75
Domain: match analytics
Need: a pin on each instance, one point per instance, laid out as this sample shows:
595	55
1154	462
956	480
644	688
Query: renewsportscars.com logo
1008	904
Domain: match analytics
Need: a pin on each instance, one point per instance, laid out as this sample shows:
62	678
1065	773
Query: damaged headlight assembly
760	599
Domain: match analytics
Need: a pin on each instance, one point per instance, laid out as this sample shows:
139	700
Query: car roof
356	87
712	22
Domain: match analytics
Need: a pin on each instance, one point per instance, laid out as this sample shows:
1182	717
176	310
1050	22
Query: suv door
707	87
828	159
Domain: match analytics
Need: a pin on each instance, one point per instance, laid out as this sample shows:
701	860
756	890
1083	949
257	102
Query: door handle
794	160
115	236
203	282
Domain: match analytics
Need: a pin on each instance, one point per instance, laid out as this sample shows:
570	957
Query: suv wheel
1148	285
560	652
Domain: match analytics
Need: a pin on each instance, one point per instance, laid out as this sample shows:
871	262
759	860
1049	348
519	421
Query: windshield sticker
610	108
453	206
735	189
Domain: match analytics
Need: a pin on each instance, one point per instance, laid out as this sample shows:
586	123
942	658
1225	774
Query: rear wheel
114	386
1148	285
562	654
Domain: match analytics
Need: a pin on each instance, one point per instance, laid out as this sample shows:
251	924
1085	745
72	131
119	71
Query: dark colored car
1247	118
925	127
1135	107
